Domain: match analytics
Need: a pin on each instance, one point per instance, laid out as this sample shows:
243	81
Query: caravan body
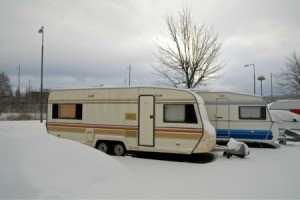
149	119
287	105
287	115
240	116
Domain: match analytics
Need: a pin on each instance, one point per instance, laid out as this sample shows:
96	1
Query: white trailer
287	105
287	115
240	116
151	119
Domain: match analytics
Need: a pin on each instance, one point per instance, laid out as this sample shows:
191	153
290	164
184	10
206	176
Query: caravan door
222	118
146	120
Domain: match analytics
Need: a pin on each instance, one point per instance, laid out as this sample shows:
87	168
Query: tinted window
252	112
180	113
67	111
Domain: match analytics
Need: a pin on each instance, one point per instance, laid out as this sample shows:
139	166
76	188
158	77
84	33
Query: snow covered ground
36	165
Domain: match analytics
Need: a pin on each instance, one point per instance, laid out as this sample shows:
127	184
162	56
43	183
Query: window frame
262	110
185	121
78	111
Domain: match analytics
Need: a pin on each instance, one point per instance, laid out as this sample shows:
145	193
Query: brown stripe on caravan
132	134
187	134
66	129
177	136
98	129
179	130
91	126
110	132
172	133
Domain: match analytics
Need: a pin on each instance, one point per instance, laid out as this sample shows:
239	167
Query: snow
286	120
236	147
36	165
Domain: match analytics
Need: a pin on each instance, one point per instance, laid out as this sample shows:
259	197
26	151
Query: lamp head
248	65
261	78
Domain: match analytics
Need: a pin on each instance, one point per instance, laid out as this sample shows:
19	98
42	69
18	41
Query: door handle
219	117
151	116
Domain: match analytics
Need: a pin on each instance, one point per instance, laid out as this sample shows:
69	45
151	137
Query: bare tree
5	91
290	74
5	87
189	56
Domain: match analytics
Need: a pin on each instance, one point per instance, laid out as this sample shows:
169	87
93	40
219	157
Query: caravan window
180	113
67	111
252	112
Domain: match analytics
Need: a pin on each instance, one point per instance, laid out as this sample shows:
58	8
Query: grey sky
88	43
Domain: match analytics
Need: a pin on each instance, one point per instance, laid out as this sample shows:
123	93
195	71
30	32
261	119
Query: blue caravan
240	116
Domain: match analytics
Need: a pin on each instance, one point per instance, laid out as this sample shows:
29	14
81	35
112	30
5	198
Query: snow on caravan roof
199	99
235	98
285	105
122	87
288	105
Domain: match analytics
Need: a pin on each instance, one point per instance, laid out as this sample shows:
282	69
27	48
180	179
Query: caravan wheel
119	149
282	142
102	146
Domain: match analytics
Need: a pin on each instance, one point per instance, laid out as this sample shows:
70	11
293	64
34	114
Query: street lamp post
129	75
261	78
273	76
253	75
272	86
41	30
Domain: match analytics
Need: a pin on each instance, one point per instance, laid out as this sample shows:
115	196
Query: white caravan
287	115
240	116
286	120
287	105
151	119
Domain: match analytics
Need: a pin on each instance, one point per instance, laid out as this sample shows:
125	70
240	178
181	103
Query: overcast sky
89	43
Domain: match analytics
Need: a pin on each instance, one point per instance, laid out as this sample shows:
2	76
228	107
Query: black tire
228	155
283	142
103	146
119	149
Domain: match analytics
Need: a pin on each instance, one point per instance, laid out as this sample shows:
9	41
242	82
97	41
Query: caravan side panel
239	116
138	117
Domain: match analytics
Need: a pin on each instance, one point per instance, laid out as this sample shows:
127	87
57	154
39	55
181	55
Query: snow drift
36	165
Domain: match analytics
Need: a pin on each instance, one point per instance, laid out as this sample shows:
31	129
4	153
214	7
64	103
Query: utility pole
272	86
19	70
29	86
18	92
254	87
129	76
